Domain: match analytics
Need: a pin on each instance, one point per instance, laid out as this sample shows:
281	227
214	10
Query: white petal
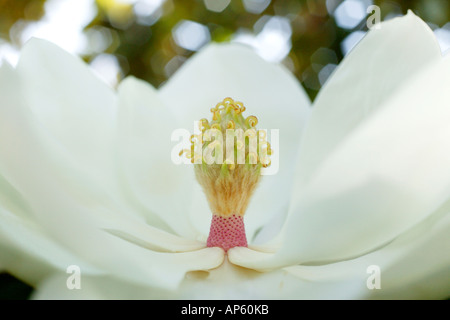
365	84
55	288
386	177
28	253
145	128
74	106
228	282
70	217
75	112
11	200
249	258
377	68
268	91
413	266
21	126
147	236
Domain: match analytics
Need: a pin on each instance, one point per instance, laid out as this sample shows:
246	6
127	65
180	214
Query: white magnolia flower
86	177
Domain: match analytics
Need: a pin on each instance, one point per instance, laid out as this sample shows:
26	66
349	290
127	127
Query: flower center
227	232
228	155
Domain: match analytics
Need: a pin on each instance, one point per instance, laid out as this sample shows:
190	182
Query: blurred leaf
13	10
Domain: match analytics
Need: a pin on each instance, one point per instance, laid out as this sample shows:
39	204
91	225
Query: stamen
251	121
216	115
187	152
251	133
228	185
203	125
266	162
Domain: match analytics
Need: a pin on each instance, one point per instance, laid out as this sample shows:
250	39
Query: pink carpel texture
227	232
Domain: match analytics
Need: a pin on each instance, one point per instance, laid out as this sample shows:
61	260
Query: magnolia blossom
358	208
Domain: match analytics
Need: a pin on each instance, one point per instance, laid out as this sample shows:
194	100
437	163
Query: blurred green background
151	39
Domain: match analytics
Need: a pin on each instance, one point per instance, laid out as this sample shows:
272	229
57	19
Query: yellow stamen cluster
227	115
228	155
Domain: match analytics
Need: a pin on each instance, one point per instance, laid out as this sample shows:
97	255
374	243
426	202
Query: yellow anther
269	149
220	106
187	152
230	104
228	100
230	124
203	124
216	126
239	108
193	137
216	115
229	108
251	133
266	162
230	163
251	121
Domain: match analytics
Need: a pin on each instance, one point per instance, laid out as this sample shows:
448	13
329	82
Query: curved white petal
376	69
387	176
54	288
21	130
11	200
268	91
145	129
228	282
414	266
388	170
74	106
35	167
27	252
